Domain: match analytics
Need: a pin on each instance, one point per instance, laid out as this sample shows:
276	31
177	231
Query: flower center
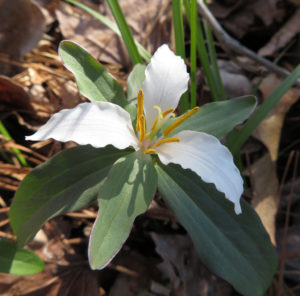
157	135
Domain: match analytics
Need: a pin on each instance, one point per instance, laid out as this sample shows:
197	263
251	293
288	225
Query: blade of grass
214	62
16	151
203	53
237	139
107	22
178	28
179	44
193	56
125	31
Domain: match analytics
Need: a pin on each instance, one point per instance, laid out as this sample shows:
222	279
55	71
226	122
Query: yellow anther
140	108
179	121
150	151
166	140
142	128
167	112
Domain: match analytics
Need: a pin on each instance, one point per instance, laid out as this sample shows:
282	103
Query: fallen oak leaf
269	130
265	192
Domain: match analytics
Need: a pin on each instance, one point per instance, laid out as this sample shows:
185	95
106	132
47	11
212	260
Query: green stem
203	53
193	52
214	62
179	44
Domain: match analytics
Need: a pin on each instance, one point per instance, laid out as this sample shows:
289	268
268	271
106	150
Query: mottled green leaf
219	118
235	247
93	81
65	183
128	191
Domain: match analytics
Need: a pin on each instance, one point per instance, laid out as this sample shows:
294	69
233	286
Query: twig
286	228
231	45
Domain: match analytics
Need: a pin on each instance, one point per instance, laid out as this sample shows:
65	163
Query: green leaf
128	191
235	247
18	261
65	183
93	81
135	81
219	118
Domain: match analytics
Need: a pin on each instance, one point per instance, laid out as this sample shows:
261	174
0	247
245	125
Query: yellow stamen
160	114
150	151
142	128
167	112
179	121
140	108
166	140
154	124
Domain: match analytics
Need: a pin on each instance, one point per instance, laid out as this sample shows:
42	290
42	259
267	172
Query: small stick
231	45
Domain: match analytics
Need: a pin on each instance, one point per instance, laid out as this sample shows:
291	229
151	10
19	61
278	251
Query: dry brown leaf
221	10
66	92
288	31
146	22
90	33
66	271
244	14
14	96
269	130
265	188
21	26
235	82
22	103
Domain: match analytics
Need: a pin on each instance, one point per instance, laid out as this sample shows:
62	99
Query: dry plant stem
124	270
286	224
4	222
231	45
8	236
4	210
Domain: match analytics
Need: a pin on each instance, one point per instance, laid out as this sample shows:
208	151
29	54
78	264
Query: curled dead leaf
21	26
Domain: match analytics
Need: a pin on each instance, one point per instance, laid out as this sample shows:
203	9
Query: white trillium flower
101	123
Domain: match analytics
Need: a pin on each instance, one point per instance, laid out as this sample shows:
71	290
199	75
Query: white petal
97	123
166	80
206	156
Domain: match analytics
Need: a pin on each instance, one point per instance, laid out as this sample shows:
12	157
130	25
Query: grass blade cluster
180	44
